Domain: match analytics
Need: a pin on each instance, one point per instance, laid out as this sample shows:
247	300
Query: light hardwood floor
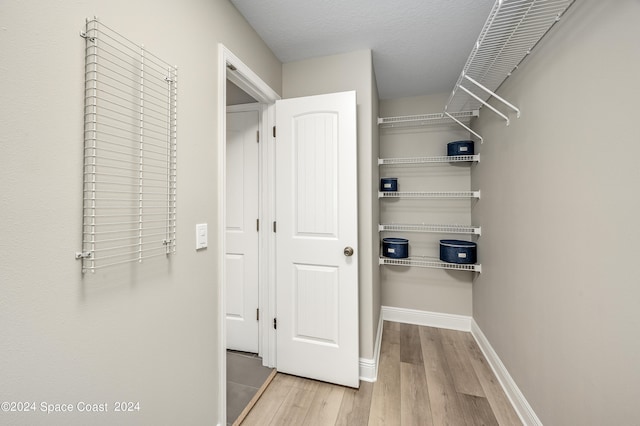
426	376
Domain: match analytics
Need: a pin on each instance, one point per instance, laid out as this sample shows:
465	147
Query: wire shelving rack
425	160
430	262
431	228
512	30
430	194
130	149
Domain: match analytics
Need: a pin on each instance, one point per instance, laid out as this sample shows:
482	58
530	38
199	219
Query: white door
242	233
316	201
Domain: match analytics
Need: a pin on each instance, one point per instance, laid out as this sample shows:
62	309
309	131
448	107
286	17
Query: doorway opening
238	84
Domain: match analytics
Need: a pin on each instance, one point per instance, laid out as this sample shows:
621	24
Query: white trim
368	369
249	81
430	319
369	366
220	229
517	399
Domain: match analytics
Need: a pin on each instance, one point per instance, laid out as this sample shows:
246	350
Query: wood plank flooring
426	376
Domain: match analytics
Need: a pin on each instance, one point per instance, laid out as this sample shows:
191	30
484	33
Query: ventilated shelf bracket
491	94
467	128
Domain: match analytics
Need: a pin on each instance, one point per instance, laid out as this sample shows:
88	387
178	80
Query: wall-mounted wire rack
512	30
426	119
431	228
425	160
130	148
429	194
429	262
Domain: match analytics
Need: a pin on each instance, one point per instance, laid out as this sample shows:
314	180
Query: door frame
250	82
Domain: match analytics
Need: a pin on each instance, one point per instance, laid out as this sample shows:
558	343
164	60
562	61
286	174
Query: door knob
348	251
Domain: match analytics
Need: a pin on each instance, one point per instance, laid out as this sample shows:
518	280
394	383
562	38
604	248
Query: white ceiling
419	46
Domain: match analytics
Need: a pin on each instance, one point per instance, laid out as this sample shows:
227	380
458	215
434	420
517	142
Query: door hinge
258	136
275	323
274	226
274	131
257	225
257	314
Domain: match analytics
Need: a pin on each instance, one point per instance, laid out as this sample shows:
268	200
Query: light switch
201	236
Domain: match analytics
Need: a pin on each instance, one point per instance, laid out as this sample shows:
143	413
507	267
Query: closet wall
145	332
558	297
424	289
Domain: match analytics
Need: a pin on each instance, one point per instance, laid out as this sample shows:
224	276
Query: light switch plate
201	236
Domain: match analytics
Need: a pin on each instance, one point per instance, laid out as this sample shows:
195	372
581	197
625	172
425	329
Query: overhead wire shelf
423	160
432	228
425	119
512	30
430	262
429	194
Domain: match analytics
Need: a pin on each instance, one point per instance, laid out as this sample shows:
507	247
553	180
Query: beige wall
558	297
424	289
351	71
144	332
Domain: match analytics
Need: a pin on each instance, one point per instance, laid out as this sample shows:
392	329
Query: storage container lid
457	243
395	240
457	142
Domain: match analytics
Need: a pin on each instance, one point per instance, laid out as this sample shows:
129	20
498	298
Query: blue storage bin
458	251
388	184
396	248
460	148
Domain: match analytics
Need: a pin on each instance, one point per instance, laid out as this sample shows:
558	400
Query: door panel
242	211
315	152
235	293
315	294
317	285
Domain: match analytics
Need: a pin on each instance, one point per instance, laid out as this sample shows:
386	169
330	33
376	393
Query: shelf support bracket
493	94
477	98
464	125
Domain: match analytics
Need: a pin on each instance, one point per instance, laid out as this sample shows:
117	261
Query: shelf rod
493	94
465	126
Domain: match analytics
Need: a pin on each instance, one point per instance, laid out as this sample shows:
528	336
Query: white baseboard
430	319
518	401
369	367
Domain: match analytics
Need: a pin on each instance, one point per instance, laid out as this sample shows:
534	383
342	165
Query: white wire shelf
429	194
430	262
130	152
423	160
512	30
426	119
432	228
